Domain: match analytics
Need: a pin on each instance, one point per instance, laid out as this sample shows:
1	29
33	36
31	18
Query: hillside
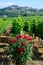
14	10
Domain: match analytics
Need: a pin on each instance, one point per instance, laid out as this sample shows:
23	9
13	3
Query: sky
30	3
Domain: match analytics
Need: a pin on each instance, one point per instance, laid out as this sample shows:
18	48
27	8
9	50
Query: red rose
20	50
23	43
28	37
13	40
19	36
25	37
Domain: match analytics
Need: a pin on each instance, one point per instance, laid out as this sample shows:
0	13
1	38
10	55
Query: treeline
4	13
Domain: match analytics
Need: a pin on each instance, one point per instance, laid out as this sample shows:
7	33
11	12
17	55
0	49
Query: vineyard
4	24
30	25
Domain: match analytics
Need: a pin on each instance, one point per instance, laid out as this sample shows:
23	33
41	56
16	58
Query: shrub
26	26
32	27
21	48
36	28
17	26
40	29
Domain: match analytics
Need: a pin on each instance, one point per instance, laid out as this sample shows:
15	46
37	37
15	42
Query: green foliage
31	24
26	26
4	24
32	29
17	26
25	14
40	29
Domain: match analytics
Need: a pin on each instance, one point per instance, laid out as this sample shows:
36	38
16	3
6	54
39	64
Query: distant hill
14	11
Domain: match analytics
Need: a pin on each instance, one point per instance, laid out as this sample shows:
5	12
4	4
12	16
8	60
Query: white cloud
5	4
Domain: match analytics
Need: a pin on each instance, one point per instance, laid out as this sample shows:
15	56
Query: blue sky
29	3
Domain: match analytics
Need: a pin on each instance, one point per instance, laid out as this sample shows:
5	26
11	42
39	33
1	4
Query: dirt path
36	62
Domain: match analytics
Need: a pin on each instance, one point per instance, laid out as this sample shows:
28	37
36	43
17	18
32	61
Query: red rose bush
21	48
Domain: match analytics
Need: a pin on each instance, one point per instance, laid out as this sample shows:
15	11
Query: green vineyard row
31	24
